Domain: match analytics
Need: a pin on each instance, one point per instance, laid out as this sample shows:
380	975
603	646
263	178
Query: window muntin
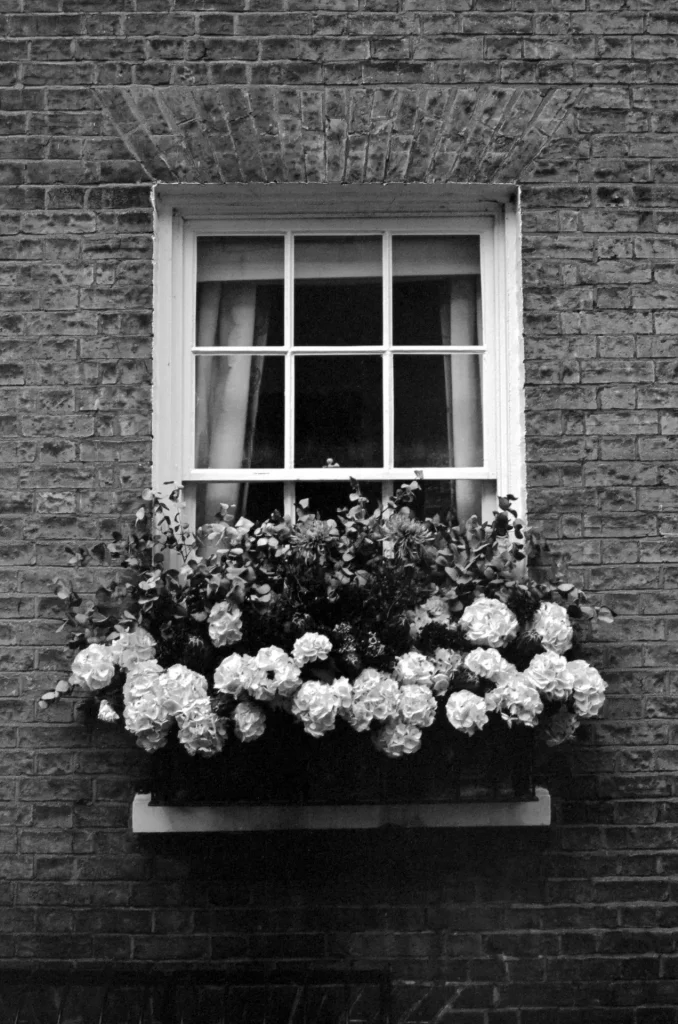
487	251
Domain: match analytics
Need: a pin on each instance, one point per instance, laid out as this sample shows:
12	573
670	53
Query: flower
552	625
560	727
149	720
311	647
397	738
315	704
414	667
225	624
375	695
141	678
466	711
130	648
249	721
445	664
107	713
279	668
343	691
588	688
551	675
230	676
417	705
200	730
180	686
488	663
516	700
489	622
93	668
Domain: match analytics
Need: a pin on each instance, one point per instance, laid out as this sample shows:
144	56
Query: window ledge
275	818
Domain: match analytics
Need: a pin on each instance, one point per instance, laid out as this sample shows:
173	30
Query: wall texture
575	100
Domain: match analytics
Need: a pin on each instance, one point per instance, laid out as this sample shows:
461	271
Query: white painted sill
147	818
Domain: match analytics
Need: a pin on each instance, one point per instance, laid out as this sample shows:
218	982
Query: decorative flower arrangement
381	620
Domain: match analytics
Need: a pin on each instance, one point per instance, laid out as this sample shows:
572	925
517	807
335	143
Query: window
306	335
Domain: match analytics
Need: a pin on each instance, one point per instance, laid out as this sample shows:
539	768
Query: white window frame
182	213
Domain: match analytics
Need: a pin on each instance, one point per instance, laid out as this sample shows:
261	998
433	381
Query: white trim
149	818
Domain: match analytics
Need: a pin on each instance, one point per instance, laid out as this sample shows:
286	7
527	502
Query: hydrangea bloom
551	675
445	664
588	688
466	711
515	700
130	648
553	626
249	721
279	668
200	730
149	720
397	738
179	687
93	668
107	713
489	622
414	667
375	695
225	624
311	647
560	727
229	676
315	704
488	663
142	678
343	691
417	705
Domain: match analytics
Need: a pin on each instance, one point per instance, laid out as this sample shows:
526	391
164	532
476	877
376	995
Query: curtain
459	319
228	388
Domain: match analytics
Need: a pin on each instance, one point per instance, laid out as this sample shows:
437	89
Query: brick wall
576	101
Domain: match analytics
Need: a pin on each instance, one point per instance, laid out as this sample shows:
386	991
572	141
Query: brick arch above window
342	135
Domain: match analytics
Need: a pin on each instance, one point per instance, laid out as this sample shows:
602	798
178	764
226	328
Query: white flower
131	648
311	647
200	730
552	625
149	720
141	678
561	727
418	619
437	608
466	711
396	738
179	687
551	675
489	622
375	695
225	624
259	683
249	721
589	688
229	675
315	704
515	700
445	664
93	668
414	667
279	668
343	691
107	712
417	705
488	663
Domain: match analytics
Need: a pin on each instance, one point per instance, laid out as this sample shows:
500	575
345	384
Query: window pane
337	291
325	497
438	413
436	291
240	291
338	411
239	412
453	500
254	500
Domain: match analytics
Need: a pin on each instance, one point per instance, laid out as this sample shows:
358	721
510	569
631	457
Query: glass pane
436	291
338	411
337	291
326	497
240	291
254	500
438	412
453	500
239	412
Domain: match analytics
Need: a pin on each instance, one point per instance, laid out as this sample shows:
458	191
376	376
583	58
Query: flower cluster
378	622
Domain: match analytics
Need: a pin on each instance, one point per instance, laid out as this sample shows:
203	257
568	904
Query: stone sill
275	818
